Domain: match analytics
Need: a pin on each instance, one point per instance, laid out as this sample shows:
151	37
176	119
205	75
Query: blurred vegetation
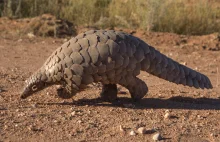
179	16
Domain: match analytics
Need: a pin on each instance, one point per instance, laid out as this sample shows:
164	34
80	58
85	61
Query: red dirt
45	117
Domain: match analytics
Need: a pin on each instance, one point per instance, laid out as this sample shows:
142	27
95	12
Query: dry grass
178	16
195	17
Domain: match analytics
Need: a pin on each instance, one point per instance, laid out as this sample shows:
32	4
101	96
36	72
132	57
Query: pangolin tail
161	66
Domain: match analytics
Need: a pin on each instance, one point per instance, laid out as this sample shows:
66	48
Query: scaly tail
168	69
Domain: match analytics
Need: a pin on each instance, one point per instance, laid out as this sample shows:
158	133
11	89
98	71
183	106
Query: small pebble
20	40
65	40
1	99
59	87
5	127
74	132
30	127
132	133
89	112
79	121
142	130
167	115
73	113
157	137
21	114
34	105
30	35
121	128
63	101
184	63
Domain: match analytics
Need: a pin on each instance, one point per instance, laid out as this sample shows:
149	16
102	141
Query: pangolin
109	57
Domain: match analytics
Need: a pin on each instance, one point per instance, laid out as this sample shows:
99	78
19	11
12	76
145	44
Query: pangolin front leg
66	92
109	92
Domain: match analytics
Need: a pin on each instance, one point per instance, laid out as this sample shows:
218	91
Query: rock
157	137
74	132
167	115
141	130
20	40
34	128
73	113
65	40
59	87
21	114
1	98
34	105
121	128
183	63
30	35
132	133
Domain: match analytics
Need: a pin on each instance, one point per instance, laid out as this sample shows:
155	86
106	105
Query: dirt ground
194	113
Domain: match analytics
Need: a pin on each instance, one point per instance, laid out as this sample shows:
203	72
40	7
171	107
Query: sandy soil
194	113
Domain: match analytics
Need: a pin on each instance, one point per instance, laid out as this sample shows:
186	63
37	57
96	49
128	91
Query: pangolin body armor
110	57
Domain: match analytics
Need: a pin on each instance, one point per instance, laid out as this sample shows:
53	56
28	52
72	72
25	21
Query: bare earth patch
178	113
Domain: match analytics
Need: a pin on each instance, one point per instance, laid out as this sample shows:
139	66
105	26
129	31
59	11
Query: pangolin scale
110	57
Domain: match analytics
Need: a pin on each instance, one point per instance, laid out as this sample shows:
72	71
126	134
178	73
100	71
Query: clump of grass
178	16
129	13
84	12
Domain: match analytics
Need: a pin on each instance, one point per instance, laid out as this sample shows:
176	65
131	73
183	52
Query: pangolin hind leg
109	92
137	88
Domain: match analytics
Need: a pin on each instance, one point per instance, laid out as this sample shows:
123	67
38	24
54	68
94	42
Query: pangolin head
33	84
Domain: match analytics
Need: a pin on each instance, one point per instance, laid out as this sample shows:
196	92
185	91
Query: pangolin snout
25	93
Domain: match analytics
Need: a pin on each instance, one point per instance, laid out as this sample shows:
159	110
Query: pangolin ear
34	88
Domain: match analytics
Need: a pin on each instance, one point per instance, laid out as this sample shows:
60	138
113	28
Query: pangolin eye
34	88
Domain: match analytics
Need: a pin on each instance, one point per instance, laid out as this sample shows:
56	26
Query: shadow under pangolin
177	102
